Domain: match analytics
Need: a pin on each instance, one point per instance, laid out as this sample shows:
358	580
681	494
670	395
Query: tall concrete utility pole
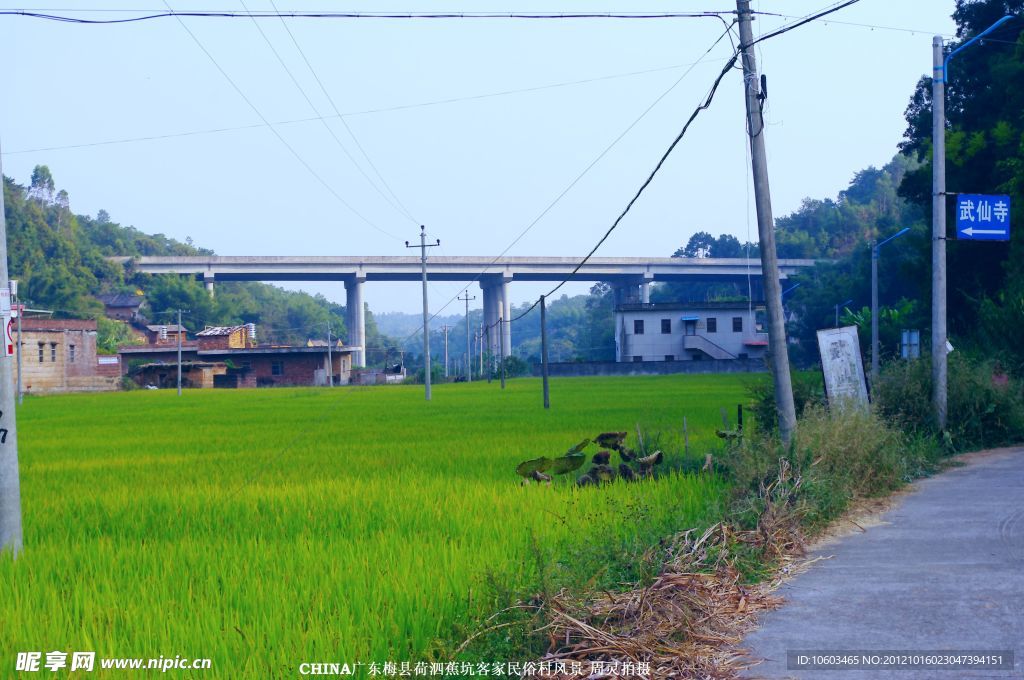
179	352
330	358
544	349
940	72
875	351
18	309
426	312
469	351
766	230
939	357
10	488
501	340
444	329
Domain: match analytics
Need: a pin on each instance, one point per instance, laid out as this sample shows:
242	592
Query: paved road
944	570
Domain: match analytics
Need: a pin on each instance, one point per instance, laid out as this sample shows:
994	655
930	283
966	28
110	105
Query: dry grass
688	622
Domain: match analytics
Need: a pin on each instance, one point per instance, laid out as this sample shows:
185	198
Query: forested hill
60	260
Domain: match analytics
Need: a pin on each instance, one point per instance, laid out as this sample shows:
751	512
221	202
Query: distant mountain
399	325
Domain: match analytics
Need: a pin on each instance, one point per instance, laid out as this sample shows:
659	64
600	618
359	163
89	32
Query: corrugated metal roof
171	328
218	330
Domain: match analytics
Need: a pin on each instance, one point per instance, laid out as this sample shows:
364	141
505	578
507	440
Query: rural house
59	355
229	357
692	331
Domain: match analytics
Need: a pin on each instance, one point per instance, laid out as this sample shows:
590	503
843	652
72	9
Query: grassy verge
699	588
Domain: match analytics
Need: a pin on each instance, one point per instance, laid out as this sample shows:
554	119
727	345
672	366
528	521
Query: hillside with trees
60	259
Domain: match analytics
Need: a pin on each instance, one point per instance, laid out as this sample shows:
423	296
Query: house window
666	326
737	324
71	353
670	357
53	352
638	326
276	368
41	346
712	324
637	359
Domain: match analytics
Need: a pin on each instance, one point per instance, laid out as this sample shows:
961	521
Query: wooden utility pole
779	352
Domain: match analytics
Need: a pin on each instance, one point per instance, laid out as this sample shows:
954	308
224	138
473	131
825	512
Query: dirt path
943	569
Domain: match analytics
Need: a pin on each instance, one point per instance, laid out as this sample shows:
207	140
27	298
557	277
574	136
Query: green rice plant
267	528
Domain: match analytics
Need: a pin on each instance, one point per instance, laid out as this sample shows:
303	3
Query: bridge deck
460	268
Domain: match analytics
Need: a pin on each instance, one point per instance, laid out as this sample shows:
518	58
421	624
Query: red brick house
229	357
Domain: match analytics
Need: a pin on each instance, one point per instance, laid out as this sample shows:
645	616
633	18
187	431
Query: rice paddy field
267	528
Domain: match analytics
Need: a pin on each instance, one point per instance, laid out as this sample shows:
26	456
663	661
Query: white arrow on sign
971	231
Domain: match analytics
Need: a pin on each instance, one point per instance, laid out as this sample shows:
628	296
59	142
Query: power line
582	174
396	202
277	134
385	109
316	111
158	14
701	107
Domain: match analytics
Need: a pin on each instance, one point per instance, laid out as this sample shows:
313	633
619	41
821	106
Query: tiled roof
121	299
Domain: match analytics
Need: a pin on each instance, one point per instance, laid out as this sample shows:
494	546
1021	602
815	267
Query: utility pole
777	346
939	357
426	313
445	328
330	358
544	349
838	305
18	310
501	341
179	352
875	248
469	352
10	488
490	359
940	71
480	348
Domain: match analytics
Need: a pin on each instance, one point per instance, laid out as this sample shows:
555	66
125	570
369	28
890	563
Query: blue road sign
982	218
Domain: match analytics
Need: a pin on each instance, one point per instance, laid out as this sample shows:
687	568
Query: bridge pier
355	318
208	279
497	306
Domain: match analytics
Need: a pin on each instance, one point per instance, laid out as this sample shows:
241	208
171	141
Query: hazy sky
476	171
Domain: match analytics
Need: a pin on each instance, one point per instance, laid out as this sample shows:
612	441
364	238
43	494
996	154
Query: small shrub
808	390
836	457
980	412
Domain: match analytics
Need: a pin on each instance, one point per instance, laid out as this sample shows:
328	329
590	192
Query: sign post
981	217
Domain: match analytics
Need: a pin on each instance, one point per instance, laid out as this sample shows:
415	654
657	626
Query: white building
691	331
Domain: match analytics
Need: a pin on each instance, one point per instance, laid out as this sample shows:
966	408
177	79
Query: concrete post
356	319
208	279
645	292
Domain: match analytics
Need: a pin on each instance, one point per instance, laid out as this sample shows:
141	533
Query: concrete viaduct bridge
630	277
